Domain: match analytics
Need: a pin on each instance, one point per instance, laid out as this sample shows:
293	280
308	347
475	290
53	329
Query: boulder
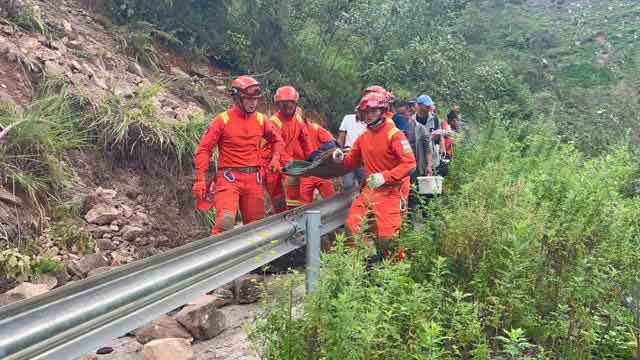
87	263
131	232
99	231
105	245
203	321
179	74
207	299
247	288
163	328
23	291
53	69
168	349
48	280
102	214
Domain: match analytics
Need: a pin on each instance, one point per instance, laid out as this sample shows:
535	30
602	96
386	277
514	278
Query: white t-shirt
353	128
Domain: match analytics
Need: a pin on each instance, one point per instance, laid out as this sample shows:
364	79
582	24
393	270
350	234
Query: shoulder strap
299	118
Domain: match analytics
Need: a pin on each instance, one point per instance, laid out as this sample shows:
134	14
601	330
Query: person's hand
374	181
274	166
199	189
338	156
429	171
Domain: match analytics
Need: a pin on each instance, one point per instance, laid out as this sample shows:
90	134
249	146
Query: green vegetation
15	265
532	253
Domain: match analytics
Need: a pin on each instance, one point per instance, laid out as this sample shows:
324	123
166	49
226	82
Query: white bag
430	185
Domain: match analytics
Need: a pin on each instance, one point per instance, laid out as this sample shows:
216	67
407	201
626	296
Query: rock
102	214
130	232
226	294
107	236
127	211
192	111
75	44
164	327
87	263
142	218
201	69
9	198
114	227
23	291
100	82
169	103
120	258
99	231
104	350
108	194
49	281
207	299
135	68
168	349
52	68
124	90
203	321
75	66
105	245
67	28
248	288
179	74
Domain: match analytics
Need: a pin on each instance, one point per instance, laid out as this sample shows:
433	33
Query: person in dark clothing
401	117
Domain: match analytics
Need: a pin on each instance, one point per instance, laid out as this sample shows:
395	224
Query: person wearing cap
294	135
426	113
420	139
386	155
237	133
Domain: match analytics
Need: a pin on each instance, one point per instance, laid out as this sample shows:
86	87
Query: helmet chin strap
376	123
241	106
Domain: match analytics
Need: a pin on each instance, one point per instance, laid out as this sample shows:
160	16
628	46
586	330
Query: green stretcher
322	167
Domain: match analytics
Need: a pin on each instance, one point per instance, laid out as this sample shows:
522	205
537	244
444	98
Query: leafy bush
532	253
14	265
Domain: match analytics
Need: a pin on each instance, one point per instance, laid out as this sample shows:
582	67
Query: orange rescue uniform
317	135
387	151
274	181
238	183
296	146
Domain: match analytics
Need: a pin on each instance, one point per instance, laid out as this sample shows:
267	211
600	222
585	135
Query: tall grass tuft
32	151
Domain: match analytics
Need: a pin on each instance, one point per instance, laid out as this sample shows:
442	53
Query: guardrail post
312	237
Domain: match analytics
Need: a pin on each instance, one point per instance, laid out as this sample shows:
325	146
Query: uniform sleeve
208	142
275	139
353	159
343	124
406	160
324	135
305	140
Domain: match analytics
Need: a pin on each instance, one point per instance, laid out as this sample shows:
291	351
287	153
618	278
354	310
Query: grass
132	127
32	153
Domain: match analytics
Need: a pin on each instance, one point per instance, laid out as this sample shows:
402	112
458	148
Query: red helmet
286	93
372	100
376	89
246	86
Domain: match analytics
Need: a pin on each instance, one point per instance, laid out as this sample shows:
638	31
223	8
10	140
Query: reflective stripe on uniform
392	132
294	203
225	117
260	118
276	121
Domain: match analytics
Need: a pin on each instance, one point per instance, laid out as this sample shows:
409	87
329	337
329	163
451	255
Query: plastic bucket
430	184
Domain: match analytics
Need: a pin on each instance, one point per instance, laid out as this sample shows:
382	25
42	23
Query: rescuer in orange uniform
294	135
388	159
388	116
237	133
274	181
320	140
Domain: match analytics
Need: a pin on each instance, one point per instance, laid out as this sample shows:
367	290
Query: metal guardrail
78	318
